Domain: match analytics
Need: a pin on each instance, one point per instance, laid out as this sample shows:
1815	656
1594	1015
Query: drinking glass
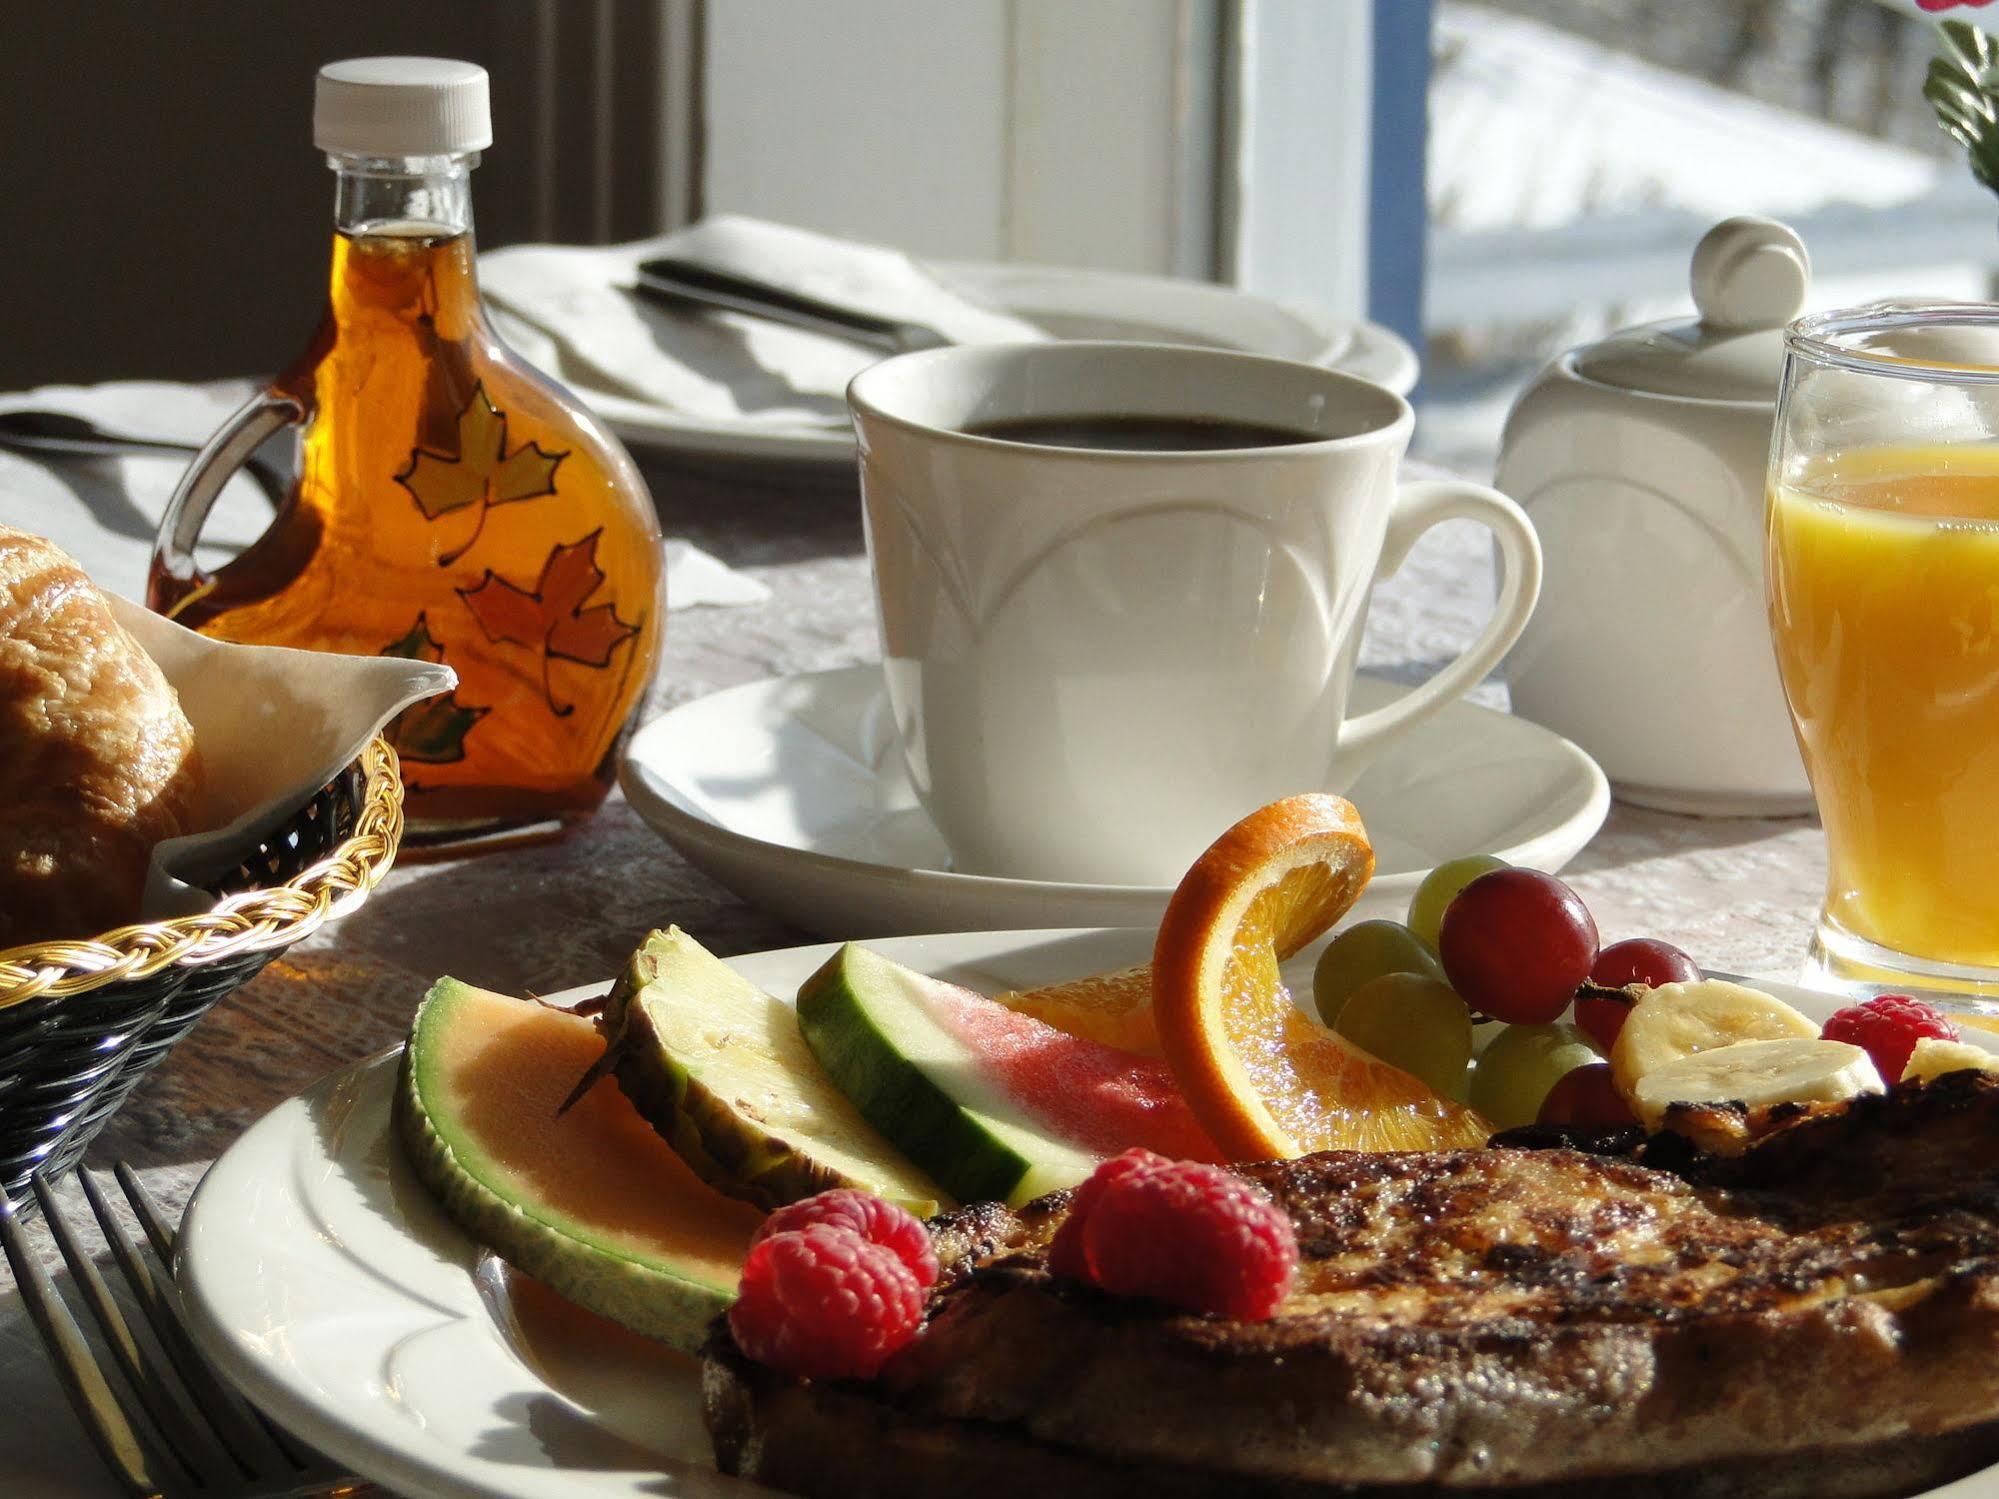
1882	564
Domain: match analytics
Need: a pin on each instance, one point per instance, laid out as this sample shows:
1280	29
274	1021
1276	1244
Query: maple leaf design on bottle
482	472
551	619
431	732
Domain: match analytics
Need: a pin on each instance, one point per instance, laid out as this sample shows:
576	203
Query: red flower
1947	4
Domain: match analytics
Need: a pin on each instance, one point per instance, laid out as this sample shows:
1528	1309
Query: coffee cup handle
1419	506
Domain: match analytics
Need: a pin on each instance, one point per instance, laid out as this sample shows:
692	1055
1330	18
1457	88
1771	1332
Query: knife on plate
684	284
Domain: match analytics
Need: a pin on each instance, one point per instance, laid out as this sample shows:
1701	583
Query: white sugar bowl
1642	462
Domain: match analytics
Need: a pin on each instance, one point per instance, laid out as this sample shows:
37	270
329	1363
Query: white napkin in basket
273	726
571	310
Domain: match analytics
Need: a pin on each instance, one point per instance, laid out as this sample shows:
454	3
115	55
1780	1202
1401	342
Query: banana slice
1757	1074
1933	1058
1679	1020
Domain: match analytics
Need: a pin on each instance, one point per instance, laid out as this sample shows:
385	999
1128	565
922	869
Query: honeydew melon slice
995	1104
590	1201
719	1068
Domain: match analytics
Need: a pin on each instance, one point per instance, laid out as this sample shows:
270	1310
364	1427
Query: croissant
97	761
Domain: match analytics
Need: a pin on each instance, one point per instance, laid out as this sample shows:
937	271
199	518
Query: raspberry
1065	1250
878	1222
1887	1028
1192	1235
823	1303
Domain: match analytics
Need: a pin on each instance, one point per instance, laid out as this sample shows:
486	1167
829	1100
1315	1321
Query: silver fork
178	1432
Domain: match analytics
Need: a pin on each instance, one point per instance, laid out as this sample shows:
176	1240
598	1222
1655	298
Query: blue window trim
1398	217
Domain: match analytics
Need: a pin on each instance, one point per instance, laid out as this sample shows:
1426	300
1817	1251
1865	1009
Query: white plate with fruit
332	1263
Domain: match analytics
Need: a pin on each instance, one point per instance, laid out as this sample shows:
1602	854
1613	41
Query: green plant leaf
1962	86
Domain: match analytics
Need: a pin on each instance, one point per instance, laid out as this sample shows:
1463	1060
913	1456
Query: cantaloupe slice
592	1202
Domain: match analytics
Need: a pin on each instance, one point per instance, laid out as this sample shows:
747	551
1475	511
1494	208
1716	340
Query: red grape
1587	1096
1515	945
1635	960
1601	1020
1643	960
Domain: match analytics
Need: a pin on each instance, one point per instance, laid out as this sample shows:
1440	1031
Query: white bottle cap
401	106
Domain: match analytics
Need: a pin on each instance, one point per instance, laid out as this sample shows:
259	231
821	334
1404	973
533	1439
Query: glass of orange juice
1882	562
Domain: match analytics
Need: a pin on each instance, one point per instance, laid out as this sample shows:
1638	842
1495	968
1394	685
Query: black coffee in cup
1140	434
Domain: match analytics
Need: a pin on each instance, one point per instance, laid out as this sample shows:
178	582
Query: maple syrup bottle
451	503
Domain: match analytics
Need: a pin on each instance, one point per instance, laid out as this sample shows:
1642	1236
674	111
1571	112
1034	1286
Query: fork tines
180	1431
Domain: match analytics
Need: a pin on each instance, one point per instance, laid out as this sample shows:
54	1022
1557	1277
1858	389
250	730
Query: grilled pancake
1816	1314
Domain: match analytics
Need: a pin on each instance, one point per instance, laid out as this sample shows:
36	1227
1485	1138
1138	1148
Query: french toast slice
1817	1314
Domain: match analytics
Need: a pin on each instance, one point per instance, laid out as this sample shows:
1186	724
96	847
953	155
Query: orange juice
1884	603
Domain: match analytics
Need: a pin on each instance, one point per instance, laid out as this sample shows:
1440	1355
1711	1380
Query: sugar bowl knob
1750	272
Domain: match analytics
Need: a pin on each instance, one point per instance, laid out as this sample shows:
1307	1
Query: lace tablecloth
1739	894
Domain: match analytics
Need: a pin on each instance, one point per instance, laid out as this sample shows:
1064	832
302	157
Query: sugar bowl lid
1750	278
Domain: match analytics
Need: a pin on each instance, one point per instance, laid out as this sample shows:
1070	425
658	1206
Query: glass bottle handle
234	441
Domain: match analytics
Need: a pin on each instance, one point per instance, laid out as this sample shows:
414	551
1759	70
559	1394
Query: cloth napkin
572	311
273	726
104	511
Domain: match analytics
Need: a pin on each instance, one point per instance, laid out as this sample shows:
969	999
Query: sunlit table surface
1739	894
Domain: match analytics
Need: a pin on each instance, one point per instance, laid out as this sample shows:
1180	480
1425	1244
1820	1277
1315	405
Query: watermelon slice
591	1202
993	1103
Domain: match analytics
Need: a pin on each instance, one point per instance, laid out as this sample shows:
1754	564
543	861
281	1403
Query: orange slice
1264	1079
1114	1008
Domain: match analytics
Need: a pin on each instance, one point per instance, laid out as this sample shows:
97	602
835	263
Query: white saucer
791	793
1066	302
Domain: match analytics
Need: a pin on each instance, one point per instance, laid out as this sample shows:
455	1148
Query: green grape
1520	1065
1460	1088
1414	1022
1366	951
1440	887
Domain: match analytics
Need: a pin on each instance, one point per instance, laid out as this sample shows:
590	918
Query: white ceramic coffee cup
1099	660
